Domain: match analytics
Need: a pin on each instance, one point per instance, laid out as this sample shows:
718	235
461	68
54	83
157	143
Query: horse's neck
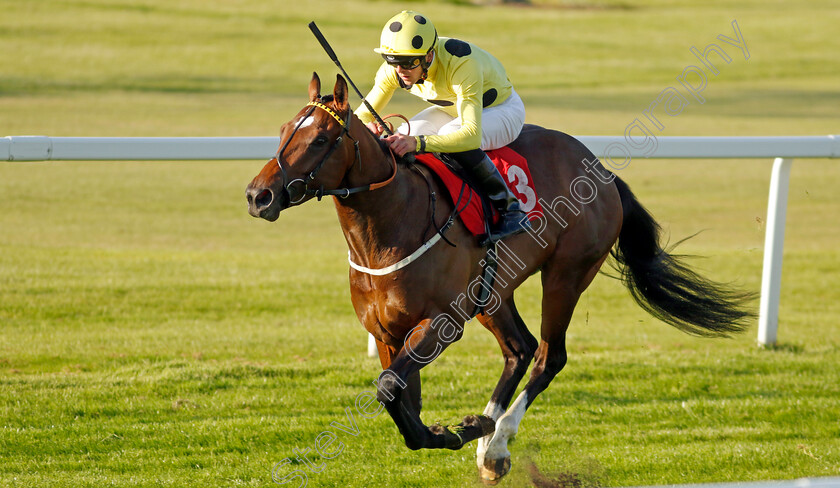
387	220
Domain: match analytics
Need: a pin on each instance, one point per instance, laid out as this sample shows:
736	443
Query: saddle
471	206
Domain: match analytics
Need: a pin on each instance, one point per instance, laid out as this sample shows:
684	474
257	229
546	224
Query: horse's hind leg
561	290
518	347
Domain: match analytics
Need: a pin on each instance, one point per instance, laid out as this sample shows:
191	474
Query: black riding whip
331	54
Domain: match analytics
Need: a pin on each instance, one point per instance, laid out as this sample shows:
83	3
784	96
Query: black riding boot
512	220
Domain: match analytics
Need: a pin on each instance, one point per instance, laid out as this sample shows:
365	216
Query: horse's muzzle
265	203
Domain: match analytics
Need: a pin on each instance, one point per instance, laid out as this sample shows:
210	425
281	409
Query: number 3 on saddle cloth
514	170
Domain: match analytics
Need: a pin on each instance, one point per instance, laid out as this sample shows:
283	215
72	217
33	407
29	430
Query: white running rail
782	149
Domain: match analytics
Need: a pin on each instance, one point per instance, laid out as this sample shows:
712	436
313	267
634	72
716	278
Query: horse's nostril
264	198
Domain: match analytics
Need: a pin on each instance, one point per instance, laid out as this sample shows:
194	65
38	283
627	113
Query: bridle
310	177
346	192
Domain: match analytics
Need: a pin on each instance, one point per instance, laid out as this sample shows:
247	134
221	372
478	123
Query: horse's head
315	153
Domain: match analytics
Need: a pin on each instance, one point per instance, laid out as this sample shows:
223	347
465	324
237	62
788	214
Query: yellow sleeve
467	82
383	89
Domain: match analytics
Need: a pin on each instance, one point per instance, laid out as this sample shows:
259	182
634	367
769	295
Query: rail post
774	242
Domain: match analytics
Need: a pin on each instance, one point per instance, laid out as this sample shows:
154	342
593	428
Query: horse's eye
320	141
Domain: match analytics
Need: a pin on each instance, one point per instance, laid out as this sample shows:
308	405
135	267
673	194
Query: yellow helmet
407	34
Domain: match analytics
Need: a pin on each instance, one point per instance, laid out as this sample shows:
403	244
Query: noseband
310	177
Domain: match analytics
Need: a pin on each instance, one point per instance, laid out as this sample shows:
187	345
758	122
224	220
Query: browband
329	111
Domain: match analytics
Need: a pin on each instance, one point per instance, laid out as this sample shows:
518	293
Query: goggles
404	62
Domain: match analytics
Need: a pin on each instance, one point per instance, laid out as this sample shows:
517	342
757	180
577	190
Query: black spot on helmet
407	34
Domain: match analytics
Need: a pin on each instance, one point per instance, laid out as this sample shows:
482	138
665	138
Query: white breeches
500	125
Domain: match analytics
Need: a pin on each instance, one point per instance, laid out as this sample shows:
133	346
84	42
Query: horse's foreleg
398	386
422	346
518	347
387	354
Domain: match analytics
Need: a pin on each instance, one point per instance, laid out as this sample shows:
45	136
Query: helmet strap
424	65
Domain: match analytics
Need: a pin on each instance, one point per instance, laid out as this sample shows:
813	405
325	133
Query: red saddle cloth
514	169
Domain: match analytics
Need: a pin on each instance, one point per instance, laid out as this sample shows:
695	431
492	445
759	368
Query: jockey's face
410	76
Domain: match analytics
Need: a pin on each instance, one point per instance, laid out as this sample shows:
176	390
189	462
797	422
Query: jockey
475	107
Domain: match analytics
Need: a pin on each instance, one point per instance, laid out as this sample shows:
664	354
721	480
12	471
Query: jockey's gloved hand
375	128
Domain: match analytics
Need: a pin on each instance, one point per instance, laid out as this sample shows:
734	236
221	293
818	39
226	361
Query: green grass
153	334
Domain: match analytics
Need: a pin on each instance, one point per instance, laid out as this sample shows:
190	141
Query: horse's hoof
493	470
485	424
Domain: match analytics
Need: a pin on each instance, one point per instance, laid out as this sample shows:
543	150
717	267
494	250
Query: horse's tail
665	287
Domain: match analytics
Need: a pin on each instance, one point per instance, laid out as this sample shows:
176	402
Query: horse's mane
387	151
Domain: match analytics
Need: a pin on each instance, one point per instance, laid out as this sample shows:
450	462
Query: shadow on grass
790	348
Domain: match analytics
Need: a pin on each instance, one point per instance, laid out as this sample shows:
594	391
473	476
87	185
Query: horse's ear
340	94
314	88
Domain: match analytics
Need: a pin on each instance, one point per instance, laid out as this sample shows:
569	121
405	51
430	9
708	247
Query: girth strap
488	278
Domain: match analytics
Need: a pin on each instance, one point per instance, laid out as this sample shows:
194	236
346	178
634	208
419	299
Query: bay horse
387	213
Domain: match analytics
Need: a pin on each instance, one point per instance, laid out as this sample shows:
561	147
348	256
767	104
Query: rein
310	177
346	192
